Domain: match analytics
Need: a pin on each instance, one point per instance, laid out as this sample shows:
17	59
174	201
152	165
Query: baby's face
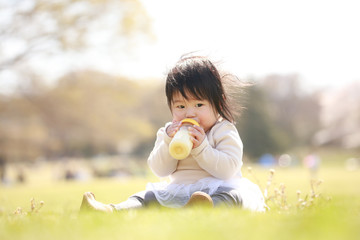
199	110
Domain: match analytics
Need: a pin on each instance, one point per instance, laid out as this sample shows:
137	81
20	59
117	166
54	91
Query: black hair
197	76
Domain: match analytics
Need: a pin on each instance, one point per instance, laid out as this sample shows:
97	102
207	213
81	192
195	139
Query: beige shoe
200	199
90	204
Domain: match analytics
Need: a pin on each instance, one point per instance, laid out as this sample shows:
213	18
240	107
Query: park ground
301	207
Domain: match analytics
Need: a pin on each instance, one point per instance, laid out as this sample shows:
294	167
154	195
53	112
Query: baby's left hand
197	135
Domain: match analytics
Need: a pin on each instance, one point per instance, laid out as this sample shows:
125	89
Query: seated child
211	174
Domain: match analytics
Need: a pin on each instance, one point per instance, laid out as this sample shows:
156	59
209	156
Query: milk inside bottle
181	144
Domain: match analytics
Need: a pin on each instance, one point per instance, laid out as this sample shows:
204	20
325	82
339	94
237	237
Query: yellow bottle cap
190	120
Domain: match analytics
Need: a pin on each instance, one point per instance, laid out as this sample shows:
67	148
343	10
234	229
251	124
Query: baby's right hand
173	128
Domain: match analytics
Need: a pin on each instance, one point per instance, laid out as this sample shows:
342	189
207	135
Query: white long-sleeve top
219	156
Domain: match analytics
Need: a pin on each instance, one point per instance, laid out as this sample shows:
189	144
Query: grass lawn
334	214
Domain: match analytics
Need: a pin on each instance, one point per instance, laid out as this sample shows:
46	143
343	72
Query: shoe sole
200	199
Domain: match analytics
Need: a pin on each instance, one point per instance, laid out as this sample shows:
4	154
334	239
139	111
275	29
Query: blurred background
82	81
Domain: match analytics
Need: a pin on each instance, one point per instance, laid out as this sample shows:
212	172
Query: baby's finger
200	129
195	132
177	125
194	141
172	129
172	134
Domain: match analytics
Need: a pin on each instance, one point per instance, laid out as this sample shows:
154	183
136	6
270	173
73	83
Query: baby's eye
199	105
180	106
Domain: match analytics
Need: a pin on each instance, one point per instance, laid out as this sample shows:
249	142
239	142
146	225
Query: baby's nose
190	113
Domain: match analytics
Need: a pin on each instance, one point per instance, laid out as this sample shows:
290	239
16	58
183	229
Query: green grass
335	214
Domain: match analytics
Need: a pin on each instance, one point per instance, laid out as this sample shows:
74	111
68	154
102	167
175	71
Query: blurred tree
78	115
154	108
256	127
21	132
295	112
30	28
90	113
85	114
279	116
340	118
155	105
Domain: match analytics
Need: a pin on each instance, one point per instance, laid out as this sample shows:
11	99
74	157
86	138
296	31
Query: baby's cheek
177	117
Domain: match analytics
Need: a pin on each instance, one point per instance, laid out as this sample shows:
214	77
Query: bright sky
318	39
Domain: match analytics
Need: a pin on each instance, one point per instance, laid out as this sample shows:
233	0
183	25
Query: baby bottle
181	144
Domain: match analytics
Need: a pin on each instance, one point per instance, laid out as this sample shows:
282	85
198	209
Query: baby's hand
173	128
197	135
